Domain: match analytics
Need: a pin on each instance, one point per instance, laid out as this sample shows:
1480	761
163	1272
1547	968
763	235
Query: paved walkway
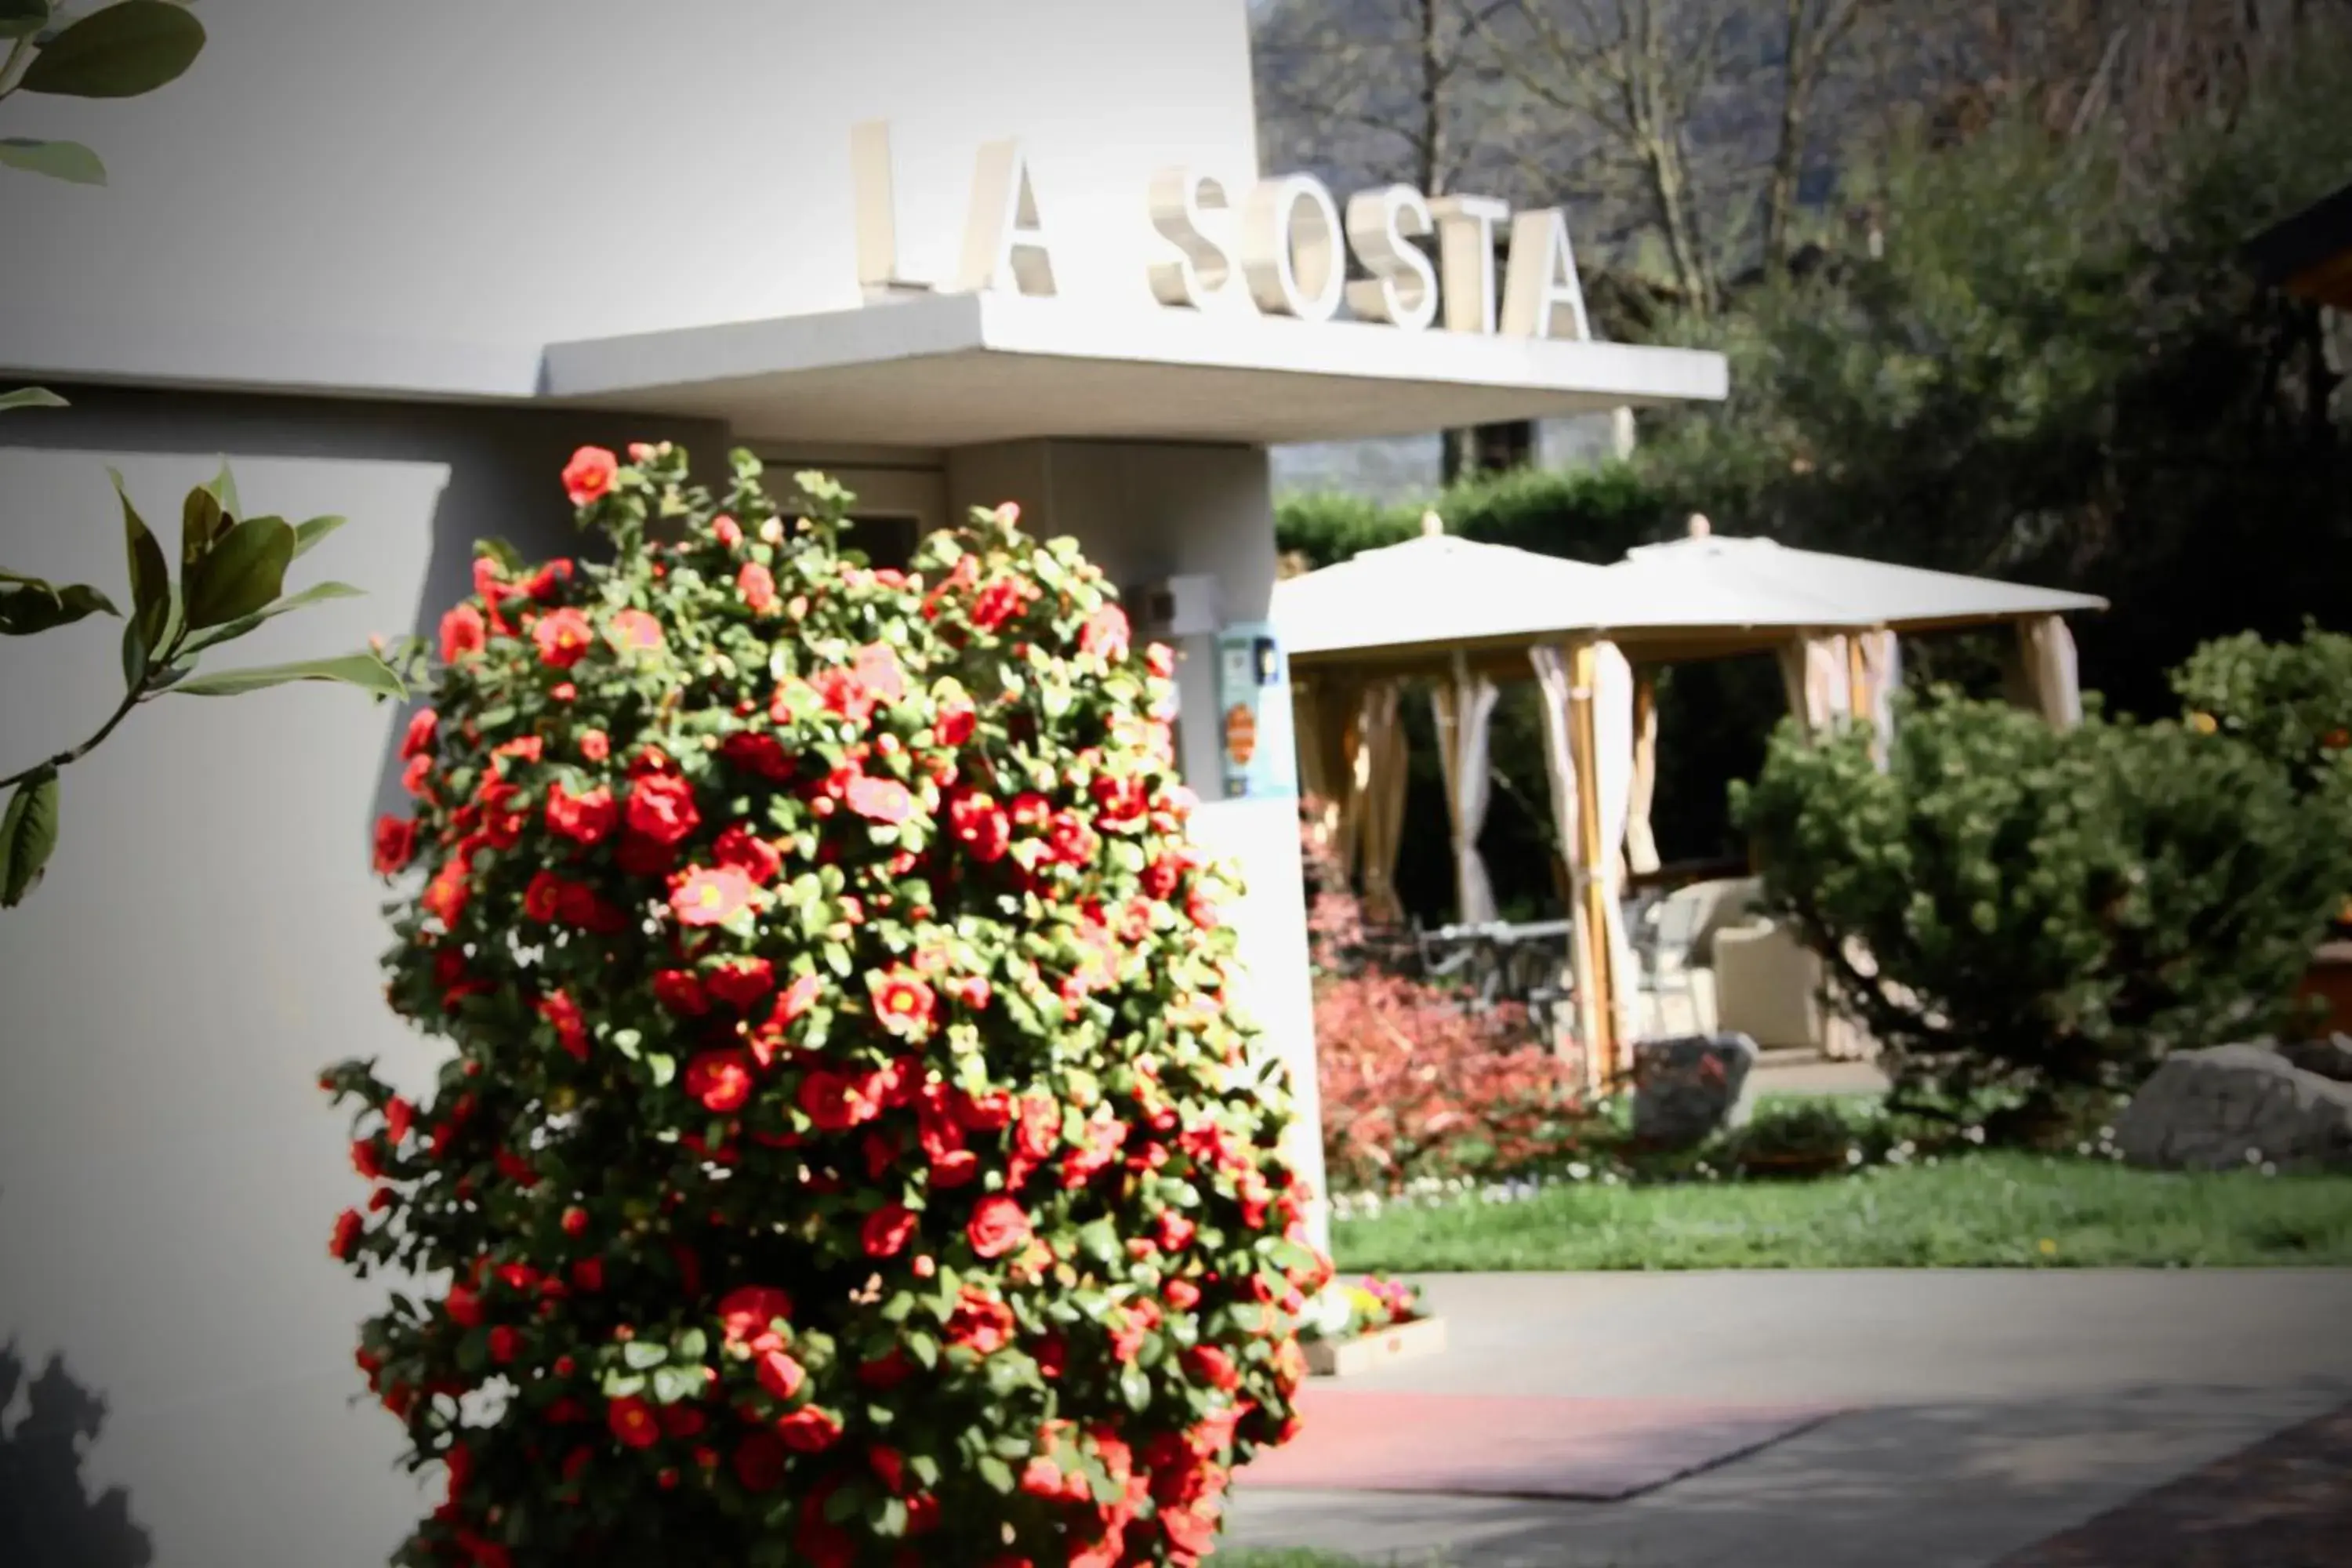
1990	1411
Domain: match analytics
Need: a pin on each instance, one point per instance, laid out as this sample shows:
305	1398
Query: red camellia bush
848	1155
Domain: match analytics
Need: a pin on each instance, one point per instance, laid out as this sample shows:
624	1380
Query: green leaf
364	670
222	487
151	579
205	520
121	51
318	593
1135	1388
619	1384
499	551
67	161
996	1473
306	534
245	571
31	397
663	1068
23	18
40	608
675	1384
692	1345
134	655
28	833
640	1354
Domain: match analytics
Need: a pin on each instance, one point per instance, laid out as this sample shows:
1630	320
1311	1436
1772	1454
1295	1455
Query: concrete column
1143	512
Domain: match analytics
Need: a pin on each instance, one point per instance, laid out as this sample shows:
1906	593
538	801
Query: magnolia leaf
364	670
122	50
67	161
38	607
317	593
28	833
203	523
31	397
306	534
240	573
151	579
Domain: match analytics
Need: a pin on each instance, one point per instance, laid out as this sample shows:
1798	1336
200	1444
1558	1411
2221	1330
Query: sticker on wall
1254	696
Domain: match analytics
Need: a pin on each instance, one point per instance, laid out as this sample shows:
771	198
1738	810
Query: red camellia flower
570	1028
746	1313
590	474
633	631
722	1080
418	742
758	587
808	1430
710	895
886	1230
583	818
881	800
395	844
680	991
463	631
758	752
1213	1366
779	1374
595	745
748	853
563	637
633	1422
838	1101
999	602
980	1324
760	1460
955	722
349	1225
742	981
661	809
904	1004
998	1226
981	825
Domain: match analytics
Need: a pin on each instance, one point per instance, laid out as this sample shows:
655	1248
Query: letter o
1292	251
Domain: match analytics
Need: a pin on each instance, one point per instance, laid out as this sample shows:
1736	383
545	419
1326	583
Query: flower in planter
831	1164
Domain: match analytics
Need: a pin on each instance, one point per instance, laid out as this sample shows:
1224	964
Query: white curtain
1328	713
1377	799
1614	742
1603	959
1641	842
1882	674
2055	685
1819	682
1465	710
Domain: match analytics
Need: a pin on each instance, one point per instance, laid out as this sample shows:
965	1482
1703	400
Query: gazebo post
1600	1009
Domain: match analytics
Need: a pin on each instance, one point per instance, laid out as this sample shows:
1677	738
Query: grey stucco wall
206	940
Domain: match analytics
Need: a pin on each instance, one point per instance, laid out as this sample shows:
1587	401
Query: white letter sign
1402	287
1004	242
1291	259
1465	247
1541	282
1178	200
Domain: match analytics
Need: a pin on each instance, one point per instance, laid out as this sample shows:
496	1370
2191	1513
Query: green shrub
2046	911
1583	514
1327	526
2290	701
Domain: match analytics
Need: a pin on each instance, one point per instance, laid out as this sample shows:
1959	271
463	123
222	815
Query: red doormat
1597	1450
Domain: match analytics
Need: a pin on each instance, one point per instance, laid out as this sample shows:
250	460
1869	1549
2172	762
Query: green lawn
1982	1210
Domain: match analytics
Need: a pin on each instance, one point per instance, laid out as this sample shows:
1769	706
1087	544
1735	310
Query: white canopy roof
1841	590
1433	595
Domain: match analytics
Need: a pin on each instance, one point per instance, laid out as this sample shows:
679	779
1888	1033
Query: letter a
1540	282
1003	241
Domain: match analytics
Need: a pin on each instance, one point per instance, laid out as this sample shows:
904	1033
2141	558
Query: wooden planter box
1365	1352
2329	978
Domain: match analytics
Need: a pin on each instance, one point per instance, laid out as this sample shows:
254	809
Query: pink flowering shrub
846	1154
1412	1083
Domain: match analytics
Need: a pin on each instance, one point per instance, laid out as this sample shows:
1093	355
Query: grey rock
2229	1107
2330	1058
1689	1088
